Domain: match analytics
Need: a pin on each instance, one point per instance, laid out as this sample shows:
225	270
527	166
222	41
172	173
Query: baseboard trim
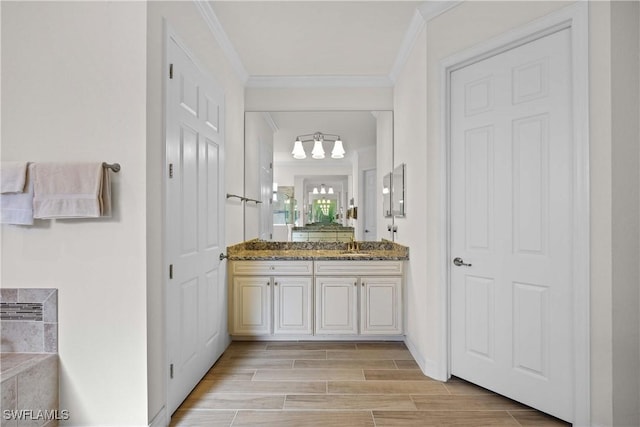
160	419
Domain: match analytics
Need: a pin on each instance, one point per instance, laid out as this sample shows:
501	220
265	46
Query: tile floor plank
350	401
344	364
406	364
443	418
386	387
261	387
459	386
336	384
311	345
537	419
381	345
256	363
308	375
395	375
382	354
304	419
280	354
209	418
234	401
478	402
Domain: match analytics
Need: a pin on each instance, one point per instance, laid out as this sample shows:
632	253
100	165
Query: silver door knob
459	261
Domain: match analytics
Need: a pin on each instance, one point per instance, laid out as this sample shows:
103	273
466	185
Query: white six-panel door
511	220
196	303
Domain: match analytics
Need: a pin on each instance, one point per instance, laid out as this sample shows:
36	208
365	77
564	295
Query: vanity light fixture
317	152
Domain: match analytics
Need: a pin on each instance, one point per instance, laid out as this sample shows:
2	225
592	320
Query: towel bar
114	167
243	199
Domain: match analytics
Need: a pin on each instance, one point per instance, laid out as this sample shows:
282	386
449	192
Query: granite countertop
263	250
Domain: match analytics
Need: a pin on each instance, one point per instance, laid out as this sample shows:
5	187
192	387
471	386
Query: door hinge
170	170
171	371
170	71
170	271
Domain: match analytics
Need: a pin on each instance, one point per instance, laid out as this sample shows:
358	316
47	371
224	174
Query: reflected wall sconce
318	150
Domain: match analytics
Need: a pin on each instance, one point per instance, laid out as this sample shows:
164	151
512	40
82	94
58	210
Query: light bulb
298	150
338	150
318	150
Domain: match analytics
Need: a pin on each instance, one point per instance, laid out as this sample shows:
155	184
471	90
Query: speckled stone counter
367	251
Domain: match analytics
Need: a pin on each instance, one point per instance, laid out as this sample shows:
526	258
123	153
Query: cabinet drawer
294	268
359	268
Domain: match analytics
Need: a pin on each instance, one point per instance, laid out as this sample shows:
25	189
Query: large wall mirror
343	191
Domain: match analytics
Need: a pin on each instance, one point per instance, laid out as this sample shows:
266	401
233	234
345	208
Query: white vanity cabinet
271	297
358	297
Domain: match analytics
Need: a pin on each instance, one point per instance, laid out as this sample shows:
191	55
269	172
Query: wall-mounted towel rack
242	198
114	167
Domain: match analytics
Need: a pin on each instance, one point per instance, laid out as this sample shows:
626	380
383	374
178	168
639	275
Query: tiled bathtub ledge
28	354
14	363
29	381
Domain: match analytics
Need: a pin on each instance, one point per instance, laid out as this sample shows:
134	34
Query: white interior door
511	220
369	212
196	302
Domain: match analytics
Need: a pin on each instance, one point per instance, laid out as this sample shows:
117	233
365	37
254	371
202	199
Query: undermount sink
356	253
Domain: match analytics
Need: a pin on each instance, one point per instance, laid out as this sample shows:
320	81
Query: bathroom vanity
316	290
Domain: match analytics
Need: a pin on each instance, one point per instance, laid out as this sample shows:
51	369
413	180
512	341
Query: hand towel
71	190
17	208
13	177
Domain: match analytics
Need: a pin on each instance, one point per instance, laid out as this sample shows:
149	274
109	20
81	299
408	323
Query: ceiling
315	38
284	43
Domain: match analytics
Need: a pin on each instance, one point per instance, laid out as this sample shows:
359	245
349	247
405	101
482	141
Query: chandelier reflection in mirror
318	150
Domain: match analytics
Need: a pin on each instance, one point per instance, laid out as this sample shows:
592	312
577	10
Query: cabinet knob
276	283
268	283
355	283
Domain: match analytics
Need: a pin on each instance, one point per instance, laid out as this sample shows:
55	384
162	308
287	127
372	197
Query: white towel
71	190
17	208
13	176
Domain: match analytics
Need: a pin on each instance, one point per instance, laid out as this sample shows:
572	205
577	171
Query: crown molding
426	12
269	119
211	19
318	81
409	40
433	9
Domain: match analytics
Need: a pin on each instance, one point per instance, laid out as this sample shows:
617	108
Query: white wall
84	80
75	94
305	99
611	282
625	84
188	24
410	135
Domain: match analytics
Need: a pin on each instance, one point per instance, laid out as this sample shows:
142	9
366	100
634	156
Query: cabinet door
292	305
251	305
336	305
380	305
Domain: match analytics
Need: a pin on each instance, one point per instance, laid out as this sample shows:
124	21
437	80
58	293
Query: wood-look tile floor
328	384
